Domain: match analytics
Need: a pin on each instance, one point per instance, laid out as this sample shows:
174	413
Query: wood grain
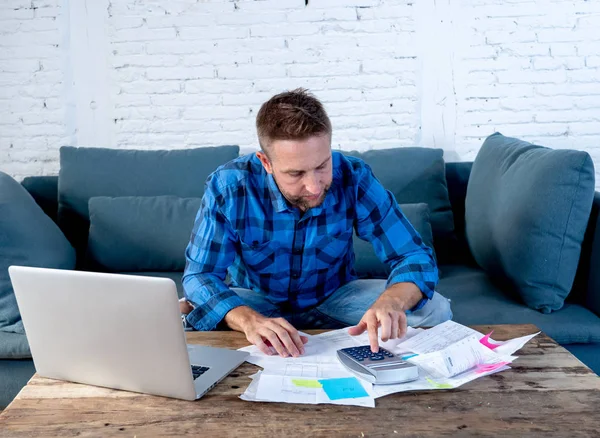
548	392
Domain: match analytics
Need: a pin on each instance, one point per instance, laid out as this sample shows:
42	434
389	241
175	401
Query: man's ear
265	161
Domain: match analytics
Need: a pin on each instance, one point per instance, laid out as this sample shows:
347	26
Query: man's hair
292	115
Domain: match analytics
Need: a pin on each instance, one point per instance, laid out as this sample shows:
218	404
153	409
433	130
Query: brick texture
187	73
531	70
32	125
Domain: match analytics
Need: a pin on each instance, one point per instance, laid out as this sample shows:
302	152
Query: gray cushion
14	375
526	212
29	238
88	172
44	189
135	233
475	299
14	346
589	354
367	265
414	175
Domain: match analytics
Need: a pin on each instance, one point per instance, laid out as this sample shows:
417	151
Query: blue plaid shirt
247	228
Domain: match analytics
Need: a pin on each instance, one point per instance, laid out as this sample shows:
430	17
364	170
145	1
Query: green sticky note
440	385
304	383
347	387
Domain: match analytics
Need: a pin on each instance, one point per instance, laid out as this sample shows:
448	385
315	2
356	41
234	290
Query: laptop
116	331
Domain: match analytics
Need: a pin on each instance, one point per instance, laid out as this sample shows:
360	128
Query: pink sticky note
485	368
486	341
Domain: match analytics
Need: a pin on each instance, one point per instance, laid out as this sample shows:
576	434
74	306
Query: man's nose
312	184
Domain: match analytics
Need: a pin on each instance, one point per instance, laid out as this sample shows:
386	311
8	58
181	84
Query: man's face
302	169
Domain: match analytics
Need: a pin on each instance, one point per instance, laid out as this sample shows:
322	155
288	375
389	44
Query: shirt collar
277	199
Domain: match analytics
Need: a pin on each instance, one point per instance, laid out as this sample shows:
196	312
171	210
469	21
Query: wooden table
548	392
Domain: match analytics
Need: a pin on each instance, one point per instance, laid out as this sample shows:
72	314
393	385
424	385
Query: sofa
514	231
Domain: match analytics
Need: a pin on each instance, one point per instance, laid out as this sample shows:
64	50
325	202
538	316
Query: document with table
447	356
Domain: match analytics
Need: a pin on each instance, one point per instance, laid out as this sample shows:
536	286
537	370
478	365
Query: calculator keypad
382	367
364	352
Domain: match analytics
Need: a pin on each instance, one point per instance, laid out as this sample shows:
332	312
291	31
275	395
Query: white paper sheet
437	338
447	356
316	351
276	386
250	393
428	383
513	345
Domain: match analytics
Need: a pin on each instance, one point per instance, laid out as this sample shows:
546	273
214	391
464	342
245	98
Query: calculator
381	368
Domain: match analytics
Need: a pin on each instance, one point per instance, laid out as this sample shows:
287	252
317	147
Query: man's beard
301	202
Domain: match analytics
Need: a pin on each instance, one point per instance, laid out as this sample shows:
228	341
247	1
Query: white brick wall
531	70
32	125
205	69
158	74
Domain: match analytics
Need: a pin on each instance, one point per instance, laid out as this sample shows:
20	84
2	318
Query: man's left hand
389	312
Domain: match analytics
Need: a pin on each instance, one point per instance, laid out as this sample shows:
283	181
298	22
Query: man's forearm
211	297
406	294
238	318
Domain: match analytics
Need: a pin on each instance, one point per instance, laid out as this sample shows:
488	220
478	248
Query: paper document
513	345
439	337
316	351
447	355
302	383
458	357
291	389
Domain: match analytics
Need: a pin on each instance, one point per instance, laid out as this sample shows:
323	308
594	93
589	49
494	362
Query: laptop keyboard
197	371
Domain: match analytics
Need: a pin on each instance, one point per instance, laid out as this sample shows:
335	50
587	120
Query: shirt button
295	275
297	250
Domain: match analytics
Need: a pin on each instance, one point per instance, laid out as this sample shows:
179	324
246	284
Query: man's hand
389	312
185	306
262	331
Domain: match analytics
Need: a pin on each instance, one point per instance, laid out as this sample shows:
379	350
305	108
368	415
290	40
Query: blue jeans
345	307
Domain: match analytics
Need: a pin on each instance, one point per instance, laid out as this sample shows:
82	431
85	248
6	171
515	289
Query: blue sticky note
347	387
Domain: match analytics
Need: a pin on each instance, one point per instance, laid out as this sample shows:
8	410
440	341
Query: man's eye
294	175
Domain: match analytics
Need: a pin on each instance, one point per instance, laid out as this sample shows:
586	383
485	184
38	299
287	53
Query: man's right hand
262	331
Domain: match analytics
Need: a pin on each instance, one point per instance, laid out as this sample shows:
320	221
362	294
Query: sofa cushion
457	177
14	375
476	300
135	233
414	175
588	354
88	172
14	346
526	212
44	189
368	265
28	238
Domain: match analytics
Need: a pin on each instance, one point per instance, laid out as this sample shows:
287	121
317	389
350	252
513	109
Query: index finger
372	330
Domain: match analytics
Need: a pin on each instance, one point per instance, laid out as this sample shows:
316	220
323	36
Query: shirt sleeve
395	241
210	252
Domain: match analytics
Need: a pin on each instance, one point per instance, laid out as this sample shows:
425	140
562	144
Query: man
280	222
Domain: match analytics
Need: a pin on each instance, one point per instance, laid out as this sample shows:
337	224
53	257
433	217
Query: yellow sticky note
440	385
307	383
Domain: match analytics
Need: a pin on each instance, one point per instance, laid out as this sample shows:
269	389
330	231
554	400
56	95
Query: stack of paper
315	377
448	356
